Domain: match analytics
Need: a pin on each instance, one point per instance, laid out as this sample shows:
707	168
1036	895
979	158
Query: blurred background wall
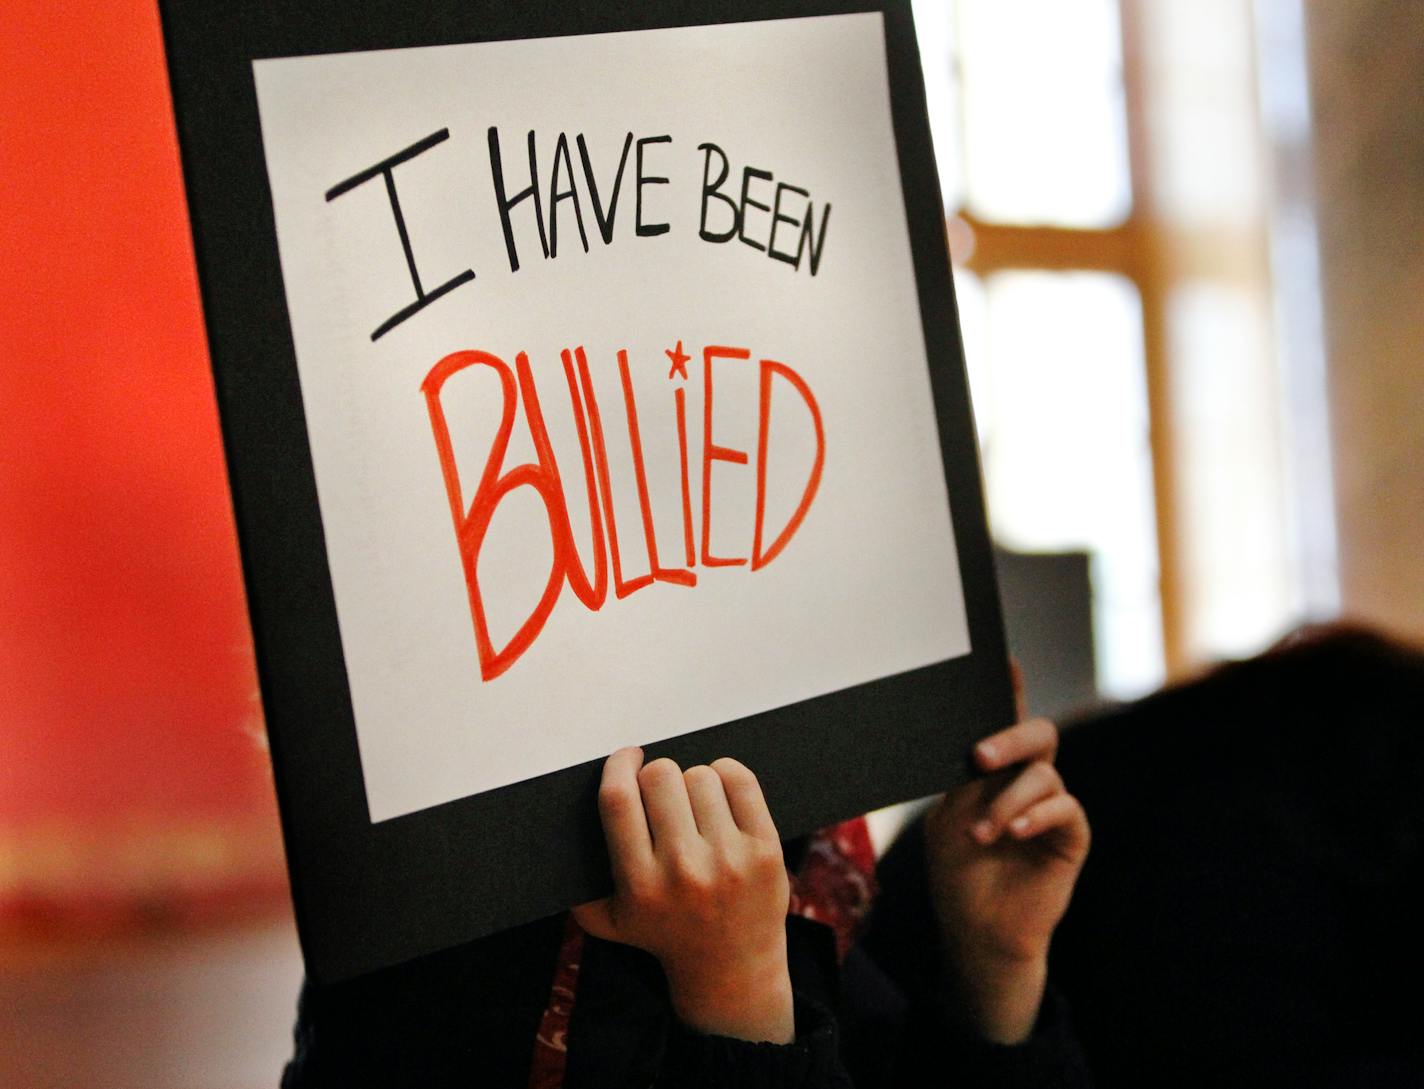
1366	59
133	776
145	937
1190	282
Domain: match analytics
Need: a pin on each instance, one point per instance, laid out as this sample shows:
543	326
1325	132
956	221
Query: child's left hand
1004	853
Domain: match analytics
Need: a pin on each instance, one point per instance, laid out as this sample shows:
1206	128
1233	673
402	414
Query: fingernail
983	831
987	753
1019	825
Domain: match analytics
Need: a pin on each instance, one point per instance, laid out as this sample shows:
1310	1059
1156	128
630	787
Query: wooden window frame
1134	250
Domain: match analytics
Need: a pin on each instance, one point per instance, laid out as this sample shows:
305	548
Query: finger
1035	739
665	800
1033	784
620	805
710	808
1062	814
596	918
744	798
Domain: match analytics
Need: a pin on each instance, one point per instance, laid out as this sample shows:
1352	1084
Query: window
1110	218
1061	406
1028	109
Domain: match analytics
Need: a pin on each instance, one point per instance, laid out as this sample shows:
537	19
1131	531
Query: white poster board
821	418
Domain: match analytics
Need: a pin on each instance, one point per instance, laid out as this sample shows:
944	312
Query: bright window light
1045	129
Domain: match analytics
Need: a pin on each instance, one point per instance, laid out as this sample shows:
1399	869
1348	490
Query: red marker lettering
590	584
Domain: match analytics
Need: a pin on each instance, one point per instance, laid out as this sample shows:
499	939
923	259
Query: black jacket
467	1017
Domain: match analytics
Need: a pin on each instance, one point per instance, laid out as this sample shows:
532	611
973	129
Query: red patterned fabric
836	883
551	1051
835	886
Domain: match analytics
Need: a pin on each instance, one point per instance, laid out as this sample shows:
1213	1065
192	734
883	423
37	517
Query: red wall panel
128	699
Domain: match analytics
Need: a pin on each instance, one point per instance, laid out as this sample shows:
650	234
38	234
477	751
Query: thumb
596	918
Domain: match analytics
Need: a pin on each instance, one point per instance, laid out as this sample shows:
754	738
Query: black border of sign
371	895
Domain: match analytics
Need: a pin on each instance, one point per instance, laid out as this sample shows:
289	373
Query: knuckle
1049	776
700	773
643	892
659	769
766	855
614	798
694	878
767	871
683	862
751	864
733	771
728	870
700	887
1002	808
1049	732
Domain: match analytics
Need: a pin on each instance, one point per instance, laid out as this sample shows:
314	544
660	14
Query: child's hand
699	882
1003	853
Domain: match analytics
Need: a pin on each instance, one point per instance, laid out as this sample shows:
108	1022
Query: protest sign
587	380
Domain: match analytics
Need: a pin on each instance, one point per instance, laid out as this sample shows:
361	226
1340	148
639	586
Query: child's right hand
699	882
